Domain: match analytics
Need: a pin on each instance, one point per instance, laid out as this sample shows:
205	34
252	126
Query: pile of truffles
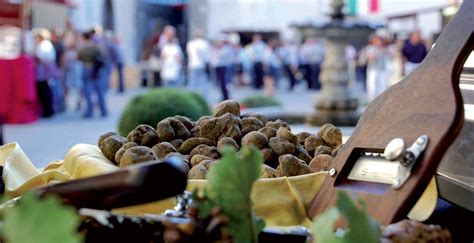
198	143
413	231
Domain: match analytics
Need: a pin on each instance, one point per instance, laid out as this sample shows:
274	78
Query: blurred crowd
384	61
225	63
79	65
275	63
76	66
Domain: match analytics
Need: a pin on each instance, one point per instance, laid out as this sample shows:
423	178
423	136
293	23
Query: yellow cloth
280	201
20	175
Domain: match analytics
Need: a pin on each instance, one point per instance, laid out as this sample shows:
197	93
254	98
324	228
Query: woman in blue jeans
93	75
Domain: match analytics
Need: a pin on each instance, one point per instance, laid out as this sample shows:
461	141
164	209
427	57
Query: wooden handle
455	43
428	101
134	185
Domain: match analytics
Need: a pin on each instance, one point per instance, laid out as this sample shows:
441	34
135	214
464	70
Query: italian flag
361	7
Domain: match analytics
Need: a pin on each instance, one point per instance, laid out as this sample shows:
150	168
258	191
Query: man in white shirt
221	61
198	56
288	53
311	57
256	52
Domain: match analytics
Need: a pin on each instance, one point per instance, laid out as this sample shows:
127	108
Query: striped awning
69	3
167	2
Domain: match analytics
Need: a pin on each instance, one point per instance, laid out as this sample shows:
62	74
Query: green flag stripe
352	7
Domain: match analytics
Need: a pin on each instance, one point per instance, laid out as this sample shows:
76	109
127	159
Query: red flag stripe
374	6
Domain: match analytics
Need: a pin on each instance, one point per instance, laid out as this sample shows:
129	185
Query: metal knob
395	150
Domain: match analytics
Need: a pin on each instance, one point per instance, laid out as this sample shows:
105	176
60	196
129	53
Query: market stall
18	103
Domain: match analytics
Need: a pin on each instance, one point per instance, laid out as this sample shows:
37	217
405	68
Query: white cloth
171	56
45	51
198	53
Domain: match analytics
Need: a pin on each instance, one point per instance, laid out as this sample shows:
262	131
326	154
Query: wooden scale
425	111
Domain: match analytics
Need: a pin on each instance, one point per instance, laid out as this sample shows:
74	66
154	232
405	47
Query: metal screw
332	172
395	150
421	140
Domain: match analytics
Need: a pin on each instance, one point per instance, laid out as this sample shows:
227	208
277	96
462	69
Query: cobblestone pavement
50	139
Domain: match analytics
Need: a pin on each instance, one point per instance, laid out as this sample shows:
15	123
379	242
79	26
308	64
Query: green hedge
205	109
259	101
158	104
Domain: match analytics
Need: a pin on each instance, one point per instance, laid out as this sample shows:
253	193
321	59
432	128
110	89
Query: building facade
135	21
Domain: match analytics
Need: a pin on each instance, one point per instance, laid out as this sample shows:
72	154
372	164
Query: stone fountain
336	103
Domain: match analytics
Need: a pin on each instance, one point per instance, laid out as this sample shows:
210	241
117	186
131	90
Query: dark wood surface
428	101
128	186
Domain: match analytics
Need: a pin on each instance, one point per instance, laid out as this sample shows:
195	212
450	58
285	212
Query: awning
69	3
167	2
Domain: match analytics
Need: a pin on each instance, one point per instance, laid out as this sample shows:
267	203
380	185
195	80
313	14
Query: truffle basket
282	201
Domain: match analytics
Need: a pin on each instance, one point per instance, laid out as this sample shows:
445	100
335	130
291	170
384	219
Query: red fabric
18	102
374	6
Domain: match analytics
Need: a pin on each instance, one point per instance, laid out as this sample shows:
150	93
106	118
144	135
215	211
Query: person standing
377	68
57	84
256	52
93	64
221	61
198	56
272	67
247	67
414	51
150	56
288	53
45	57
69	36
238	65
361	67
311	56
116	58
171	59
155	58
98	37
351	54
395	60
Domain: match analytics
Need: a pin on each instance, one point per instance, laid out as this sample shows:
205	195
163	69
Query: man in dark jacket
414	51
92	75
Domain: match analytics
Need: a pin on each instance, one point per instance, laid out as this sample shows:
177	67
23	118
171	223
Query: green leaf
41	221
230	183
204	204
323	226
361	227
